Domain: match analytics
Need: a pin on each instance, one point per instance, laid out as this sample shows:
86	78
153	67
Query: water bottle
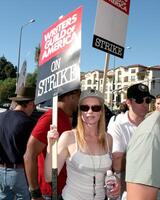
124	196
110	181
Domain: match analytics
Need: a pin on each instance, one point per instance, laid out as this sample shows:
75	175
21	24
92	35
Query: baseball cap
91	93
138	90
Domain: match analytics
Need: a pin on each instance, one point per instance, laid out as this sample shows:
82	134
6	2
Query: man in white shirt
138	99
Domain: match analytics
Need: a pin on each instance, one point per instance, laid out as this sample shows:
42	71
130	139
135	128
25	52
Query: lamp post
19	49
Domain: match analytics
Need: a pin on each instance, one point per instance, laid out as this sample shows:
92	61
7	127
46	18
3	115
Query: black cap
137	91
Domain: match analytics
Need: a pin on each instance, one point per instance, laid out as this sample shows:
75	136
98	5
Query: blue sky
143	34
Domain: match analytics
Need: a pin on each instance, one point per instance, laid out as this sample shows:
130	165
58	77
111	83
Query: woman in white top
86	151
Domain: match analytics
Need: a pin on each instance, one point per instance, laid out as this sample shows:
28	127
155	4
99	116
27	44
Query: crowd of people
90	140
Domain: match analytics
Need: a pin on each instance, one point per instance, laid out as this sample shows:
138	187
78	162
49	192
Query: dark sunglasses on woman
94	108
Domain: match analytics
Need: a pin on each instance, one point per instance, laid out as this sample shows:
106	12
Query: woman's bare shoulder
68	136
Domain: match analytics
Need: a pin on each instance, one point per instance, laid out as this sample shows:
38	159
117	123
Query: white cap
91	93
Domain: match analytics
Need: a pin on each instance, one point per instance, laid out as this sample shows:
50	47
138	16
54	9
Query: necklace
94	170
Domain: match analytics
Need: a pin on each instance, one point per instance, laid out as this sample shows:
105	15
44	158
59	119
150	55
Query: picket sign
59	69
54	150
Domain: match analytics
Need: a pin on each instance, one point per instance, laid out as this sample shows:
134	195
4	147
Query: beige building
119	79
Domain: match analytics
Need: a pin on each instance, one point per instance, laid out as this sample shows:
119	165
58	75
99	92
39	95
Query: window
133	71
95	82
153	83
133	78
141	78
126	79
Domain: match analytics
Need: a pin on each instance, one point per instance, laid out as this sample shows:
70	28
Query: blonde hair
101	130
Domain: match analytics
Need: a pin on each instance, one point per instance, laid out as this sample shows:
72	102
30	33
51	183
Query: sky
143	31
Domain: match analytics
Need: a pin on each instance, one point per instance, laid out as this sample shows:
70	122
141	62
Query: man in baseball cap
138	92
138	100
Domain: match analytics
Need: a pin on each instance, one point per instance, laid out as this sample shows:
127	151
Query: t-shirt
143	163
121	130
40	133
15	129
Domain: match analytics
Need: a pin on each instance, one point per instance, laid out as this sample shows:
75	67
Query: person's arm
62	152
34	147
119	161
117	187
118	148
141	192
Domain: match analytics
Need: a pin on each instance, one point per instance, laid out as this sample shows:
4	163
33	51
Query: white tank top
81	168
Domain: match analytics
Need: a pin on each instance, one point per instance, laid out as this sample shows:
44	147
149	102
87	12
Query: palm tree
37	54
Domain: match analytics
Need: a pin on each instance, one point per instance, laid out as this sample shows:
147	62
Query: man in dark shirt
15	128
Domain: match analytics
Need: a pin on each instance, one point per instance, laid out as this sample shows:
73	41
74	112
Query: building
92	80
119	79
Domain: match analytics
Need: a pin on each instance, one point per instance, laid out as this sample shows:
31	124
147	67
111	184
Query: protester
143	163
15	128
138	99
157	102
108	115
86	151
36	148
122	109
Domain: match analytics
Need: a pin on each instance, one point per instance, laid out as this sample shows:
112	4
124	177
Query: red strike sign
122	5
60	36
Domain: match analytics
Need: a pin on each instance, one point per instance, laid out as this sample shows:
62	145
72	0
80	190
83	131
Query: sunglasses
141	100
94	108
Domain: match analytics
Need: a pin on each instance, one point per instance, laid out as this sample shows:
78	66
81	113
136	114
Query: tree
7	89
8	77
7	69
37	54
31	79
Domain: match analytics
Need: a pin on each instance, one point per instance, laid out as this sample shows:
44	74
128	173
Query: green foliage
7	89
7	70
31	79
37	54
8	78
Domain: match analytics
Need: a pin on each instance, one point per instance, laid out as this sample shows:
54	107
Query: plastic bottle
124	196
110	181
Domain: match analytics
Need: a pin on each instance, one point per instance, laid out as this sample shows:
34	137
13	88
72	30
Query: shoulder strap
109	151
75	135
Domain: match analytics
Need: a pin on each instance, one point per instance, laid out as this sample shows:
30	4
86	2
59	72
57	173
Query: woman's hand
52	136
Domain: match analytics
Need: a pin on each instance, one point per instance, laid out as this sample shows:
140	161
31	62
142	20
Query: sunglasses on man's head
147	100
94	108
